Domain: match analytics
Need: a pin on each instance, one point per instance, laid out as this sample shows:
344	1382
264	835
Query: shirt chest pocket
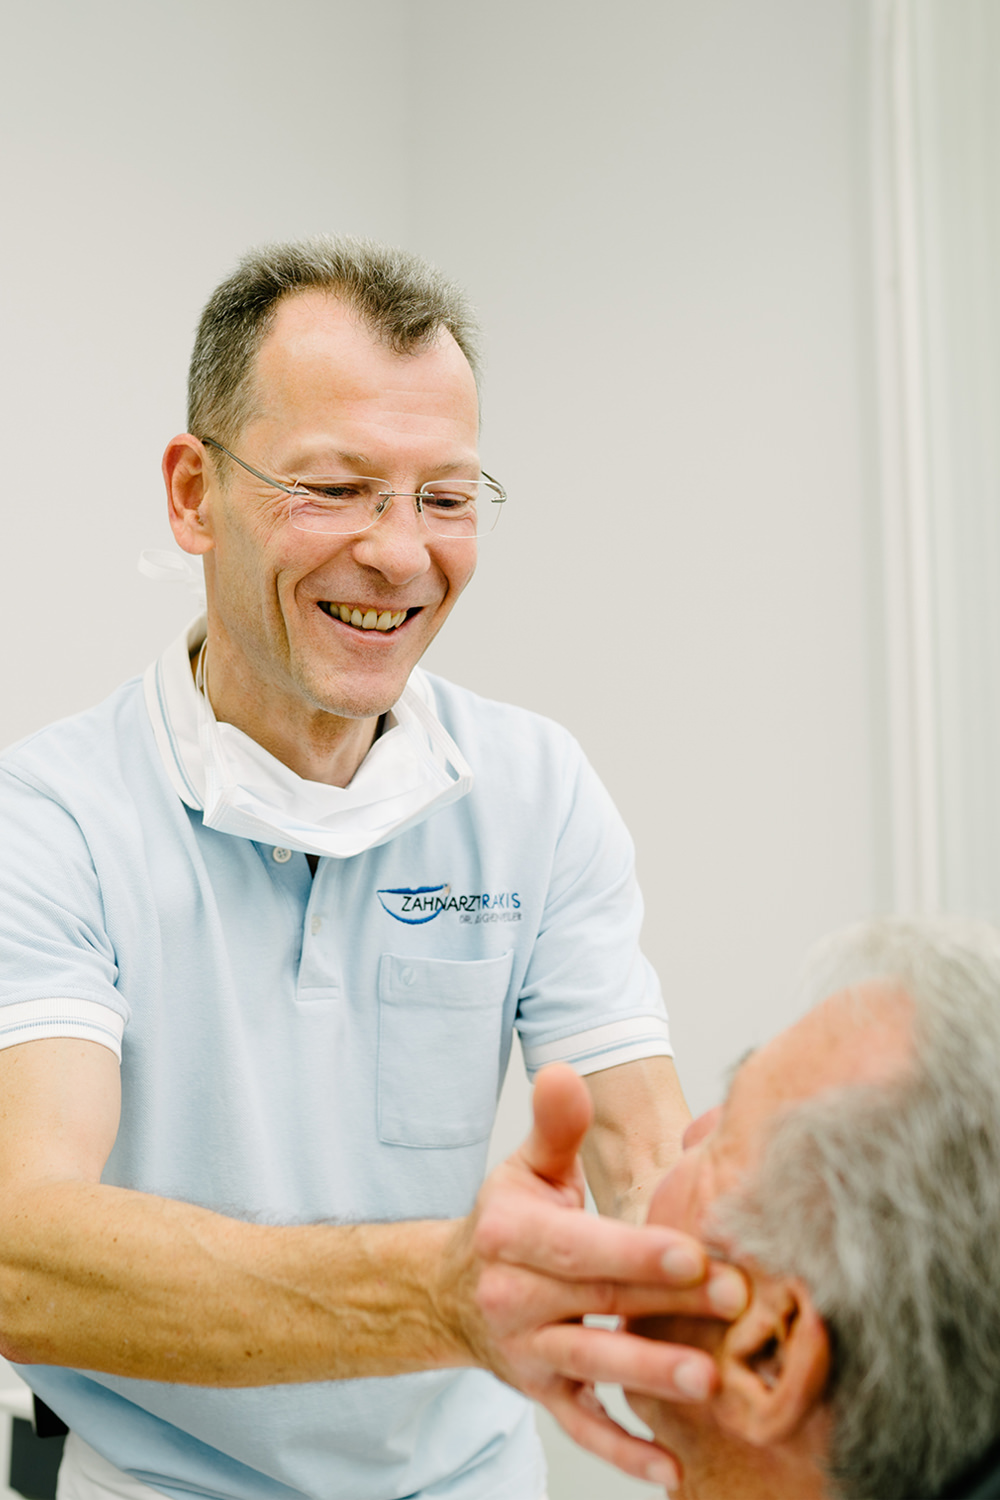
439	1043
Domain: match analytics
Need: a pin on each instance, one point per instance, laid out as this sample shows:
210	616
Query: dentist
269	921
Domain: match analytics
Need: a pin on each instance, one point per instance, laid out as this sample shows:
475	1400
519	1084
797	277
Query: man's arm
133	1284
108	1279
640	1116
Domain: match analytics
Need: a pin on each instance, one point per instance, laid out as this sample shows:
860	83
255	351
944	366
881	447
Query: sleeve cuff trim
39	1020
604	1046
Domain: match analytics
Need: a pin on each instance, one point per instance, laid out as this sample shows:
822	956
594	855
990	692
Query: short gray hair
402	299
886	1203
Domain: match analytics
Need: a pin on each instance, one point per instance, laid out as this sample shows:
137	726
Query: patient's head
854	1173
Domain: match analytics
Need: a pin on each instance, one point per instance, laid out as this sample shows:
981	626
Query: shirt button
407	976
315	925
281	856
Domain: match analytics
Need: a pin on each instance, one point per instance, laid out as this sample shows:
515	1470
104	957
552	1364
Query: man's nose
397	544
702	1126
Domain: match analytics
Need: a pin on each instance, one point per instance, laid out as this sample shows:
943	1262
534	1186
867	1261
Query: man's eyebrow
353	463
733	1070
458	465
359	464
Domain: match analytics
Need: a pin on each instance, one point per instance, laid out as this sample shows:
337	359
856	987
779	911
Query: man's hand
528	1264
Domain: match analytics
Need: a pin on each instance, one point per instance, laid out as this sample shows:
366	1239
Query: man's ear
187	478
774	1364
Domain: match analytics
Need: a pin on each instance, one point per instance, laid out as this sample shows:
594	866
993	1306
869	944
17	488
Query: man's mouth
363	617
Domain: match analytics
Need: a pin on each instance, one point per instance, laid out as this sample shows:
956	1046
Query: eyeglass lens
456	509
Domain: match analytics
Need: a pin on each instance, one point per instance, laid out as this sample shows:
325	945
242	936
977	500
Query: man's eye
449	500
342	492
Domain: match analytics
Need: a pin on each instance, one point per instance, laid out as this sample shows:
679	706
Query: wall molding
904	464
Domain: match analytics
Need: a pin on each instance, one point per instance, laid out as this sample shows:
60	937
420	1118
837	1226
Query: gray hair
886	1203
401	298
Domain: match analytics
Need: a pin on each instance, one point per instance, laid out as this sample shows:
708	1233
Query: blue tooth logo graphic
415	904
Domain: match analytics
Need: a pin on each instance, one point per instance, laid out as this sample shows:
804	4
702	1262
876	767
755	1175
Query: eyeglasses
455	510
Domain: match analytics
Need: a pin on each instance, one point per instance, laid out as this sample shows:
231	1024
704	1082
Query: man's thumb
562	1113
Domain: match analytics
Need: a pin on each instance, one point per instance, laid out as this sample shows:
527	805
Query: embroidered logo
417	904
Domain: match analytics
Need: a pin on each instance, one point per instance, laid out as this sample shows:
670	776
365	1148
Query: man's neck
316	745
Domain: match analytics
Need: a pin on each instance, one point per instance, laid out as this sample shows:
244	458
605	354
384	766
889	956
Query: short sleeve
57	964
590	998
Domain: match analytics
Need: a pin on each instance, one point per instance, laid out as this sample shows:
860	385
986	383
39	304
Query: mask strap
170	567
201	671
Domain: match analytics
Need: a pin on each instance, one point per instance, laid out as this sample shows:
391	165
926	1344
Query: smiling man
269	922
314	630
854	1174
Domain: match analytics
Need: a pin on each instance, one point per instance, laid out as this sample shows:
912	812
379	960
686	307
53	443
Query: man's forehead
301	316
862	1034
324	382
316	320
317	342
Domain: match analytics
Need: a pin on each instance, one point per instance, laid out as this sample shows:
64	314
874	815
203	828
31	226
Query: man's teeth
370	619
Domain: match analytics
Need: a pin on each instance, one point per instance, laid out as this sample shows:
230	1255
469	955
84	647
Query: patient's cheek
699	1333
676	1428
673	1426
646	1409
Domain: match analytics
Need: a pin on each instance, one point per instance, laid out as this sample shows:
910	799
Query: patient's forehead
858	1035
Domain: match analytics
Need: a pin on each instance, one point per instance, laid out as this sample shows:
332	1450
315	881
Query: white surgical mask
413	769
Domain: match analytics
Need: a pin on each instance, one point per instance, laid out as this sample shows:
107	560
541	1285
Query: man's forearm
129	1284
640	1116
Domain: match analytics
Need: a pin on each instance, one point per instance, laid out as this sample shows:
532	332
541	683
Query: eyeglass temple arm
501	497
267	478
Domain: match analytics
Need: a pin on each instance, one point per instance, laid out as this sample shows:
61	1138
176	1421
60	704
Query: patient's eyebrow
733	1070
735	1067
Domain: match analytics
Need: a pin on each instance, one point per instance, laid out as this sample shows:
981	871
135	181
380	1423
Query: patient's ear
774	1364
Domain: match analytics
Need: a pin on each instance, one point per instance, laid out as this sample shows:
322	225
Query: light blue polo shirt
297	1049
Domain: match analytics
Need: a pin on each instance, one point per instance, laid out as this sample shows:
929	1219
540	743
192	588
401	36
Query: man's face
331	400
854	1037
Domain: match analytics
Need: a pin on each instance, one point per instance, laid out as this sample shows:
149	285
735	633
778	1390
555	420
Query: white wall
145	147
664	215
662	209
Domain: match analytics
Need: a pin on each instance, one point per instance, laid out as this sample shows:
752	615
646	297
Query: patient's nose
702	1126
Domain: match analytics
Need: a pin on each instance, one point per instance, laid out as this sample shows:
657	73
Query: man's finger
513	1299
571	1245
668	1372
562	1111
582	1416
724	1295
